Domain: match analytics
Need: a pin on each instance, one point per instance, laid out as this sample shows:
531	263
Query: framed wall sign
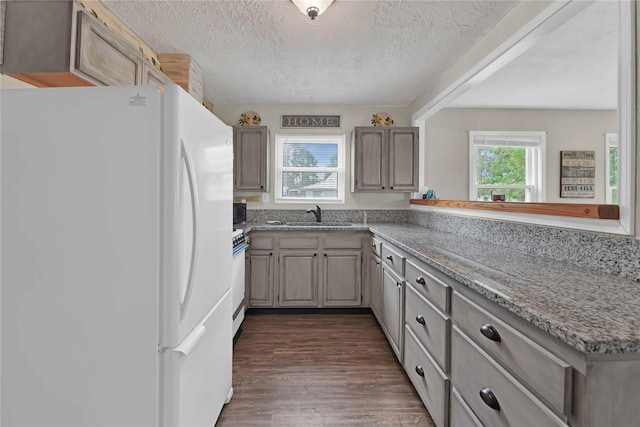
577	174
310	121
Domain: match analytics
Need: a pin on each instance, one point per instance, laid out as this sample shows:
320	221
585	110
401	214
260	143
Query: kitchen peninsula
579	325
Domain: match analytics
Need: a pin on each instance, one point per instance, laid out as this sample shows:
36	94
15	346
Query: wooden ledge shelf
593	211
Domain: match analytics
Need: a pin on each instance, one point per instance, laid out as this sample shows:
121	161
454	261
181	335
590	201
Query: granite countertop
590	311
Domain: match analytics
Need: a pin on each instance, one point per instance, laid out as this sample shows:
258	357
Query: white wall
447	144
351	116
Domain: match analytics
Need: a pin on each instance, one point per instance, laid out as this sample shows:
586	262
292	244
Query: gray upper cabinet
101	55
57	43
250	158
369	157
384	159
403	159
152	76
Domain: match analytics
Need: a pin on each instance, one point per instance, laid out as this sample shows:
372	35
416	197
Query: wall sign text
310	121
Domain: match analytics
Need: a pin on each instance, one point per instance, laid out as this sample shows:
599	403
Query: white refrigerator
116	224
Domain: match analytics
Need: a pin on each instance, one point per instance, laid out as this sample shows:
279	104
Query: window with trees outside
611	166
310	168
509	163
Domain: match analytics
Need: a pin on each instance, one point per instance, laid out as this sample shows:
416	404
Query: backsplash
609	254
347	215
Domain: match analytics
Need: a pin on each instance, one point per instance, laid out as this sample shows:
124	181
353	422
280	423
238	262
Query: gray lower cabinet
375	285
461	414
261	292
494	395
298	278
250	158
310	270
374	278
342	277
386	286
431	383
392	308
385	159
262	267
57	43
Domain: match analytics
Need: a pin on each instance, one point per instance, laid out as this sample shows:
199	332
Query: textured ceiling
355	53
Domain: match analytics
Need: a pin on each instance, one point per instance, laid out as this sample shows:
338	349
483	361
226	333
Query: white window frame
281	139
611	140
534	141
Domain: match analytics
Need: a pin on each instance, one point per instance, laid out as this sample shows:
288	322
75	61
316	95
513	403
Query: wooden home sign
577	174
307	121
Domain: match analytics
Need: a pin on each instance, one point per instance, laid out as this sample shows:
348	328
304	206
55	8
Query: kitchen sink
317	224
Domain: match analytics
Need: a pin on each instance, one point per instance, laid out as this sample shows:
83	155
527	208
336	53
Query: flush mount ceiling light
312	8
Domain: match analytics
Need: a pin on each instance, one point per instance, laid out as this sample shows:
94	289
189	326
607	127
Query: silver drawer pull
420	319
419	370
489	398
389	257
420	281
490	332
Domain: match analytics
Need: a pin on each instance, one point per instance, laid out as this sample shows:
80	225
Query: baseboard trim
331	310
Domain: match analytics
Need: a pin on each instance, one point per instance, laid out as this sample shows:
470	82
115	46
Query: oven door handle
240	248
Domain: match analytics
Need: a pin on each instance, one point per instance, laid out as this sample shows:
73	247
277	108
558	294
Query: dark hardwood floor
319	370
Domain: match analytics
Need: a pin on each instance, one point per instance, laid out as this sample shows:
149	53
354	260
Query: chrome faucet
317	212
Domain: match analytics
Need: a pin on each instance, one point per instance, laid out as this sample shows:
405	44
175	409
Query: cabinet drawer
546	374
393	258
474	371
431	327
461	414
376	246
430	287
302	242
429	381
343	242
261	242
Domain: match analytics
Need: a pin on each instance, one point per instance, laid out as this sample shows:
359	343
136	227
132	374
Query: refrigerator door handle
194	242
188	344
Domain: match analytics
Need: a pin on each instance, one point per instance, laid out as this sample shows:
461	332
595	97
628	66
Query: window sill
593	211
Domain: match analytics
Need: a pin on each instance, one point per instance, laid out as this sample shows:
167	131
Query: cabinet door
262	273
370	159
151	76
375	285
298	286
102	56
403	159
342	278
250	158
392	313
